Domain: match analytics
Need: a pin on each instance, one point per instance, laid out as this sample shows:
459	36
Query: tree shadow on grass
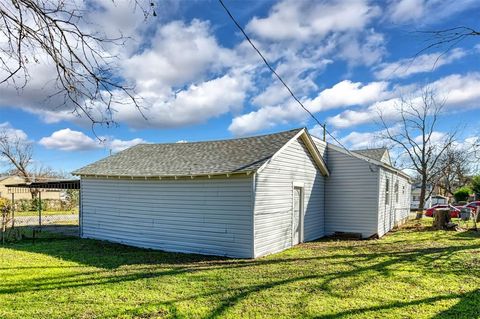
467	307
107	257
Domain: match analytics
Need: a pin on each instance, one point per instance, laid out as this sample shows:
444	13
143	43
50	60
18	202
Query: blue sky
200	80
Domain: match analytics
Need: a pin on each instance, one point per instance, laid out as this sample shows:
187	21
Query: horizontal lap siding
274	199
351	195
392	212
207	216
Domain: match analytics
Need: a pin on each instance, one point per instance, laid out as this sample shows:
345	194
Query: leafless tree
448	38
57	29
456	167
445	40
17	152
414	135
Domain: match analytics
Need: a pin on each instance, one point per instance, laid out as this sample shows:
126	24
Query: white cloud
179	53
70	140
117	145
426	11
196	104
436	137
404	10
365	48
361	140
11	132
184	76
302	20
459	91
347	93
266	117
342	94
175	78
420	64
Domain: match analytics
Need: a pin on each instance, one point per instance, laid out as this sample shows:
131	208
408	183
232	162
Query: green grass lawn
410	273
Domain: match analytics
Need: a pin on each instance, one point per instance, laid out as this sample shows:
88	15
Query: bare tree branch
413	135
58	31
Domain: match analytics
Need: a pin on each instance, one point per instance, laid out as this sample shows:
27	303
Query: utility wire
279	77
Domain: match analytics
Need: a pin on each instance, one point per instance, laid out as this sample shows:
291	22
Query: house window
387	192
396	192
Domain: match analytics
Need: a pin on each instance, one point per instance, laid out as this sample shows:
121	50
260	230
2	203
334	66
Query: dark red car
473	206
454	211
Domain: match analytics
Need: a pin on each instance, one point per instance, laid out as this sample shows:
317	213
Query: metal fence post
40	208
13	210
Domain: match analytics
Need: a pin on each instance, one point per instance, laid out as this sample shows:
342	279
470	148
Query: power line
278	76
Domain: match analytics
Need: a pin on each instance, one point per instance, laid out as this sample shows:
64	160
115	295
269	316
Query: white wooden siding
274	199
391	212
206	216
351	194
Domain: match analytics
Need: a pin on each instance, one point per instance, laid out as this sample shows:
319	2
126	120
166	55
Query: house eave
165	177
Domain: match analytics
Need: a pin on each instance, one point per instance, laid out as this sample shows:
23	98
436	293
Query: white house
432	200
365	194
244	197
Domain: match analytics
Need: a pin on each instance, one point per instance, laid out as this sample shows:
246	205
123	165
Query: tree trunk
442	218
423	191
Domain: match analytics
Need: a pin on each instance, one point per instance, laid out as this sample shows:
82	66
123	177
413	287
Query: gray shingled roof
191	159
373	153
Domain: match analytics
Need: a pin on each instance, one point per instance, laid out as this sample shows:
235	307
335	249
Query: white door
297	215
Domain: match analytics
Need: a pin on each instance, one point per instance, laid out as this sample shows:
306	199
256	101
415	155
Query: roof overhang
317	157
168	177
58	184
311	147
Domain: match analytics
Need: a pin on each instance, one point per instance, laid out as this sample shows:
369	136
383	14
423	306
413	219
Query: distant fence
21	225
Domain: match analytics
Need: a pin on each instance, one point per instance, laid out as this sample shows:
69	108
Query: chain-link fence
40	209
21	225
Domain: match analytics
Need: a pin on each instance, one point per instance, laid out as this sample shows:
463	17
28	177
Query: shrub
476	184
23	205
34	204
4	203
462	194
4	207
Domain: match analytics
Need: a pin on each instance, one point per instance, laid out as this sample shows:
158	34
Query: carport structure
40	221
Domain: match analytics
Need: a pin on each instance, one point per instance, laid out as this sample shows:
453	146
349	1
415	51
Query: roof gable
240	155
311	147
378	154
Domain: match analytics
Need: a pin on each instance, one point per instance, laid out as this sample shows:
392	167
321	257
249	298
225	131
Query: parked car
473	205
454	211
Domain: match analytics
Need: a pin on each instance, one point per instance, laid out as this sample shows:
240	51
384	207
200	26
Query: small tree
414	135
476	185
462	194
17	152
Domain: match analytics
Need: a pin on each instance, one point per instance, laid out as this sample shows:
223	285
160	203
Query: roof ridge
369	149
224	140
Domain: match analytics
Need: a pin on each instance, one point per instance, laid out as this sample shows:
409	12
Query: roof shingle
373	153
191	159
